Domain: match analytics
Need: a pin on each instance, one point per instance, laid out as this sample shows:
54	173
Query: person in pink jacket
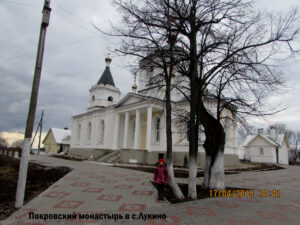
161	178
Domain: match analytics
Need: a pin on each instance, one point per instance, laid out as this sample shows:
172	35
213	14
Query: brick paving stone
68	204
56	194
132	207
111	198
242	222
92	188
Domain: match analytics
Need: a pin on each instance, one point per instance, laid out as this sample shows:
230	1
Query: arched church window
110	98
227	129
102	129
89	131
157	130
93	98
188	131
78	132
133	133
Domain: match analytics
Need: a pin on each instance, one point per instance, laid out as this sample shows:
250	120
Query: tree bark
217	175
193	128
172	182
207	171
192	186
214	144
193	148
214	175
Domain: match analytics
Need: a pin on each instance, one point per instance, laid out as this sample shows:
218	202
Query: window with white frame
187	131
157	130
102	130
133	132
261	151
227	130
89	132
78	132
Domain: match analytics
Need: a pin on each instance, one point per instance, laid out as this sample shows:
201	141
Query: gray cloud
73	60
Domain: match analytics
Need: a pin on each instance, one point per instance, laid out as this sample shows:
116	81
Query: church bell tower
104	93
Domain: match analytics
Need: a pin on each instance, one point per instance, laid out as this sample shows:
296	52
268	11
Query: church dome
106	77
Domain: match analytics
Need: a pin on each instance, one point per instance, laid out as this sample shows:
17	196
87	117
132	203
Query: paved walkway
94	189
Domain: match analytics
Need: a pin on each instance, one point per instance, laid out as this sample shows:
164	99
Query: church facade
135	125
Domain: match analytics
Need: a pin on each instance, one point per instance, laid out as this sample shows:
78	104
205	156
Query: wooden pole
41	127
32	108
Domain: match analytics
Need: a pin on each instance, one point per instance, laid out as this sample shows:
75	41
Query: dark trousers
161	191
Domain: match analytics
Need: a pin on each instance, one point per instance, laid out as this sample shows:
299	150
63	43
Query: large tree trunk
193	121
214	172
217	175
207	171
192	186
172	182
214	144
193	148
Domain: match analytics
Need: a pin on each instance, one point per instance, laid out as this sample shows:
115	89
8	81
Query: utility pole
32	107
41	127
37	129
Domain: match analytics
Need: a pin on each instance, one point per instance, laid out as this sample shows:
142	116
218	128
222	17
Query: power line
51	49
70	13
59	14
77	24
19	3
31	46
83	25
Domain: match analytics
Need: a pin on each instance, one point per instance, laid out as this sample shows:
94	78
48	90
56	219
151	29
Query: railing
11	152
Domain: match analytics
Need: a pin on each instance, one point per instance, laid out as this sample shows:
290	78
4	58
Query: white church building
134	126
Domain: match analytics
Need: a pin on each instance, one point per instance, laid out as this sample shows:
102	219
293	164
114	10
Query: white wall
95	118
269	151
101	94
283	154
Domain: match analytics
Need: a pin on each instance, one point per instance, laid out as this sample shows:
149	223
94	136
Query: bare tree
292	136
244	129
294	139
3	142
148	36
17	143
280	128
227	53
231	52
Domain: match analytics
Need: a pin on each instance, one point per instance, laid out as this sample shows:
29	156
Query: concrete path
93	190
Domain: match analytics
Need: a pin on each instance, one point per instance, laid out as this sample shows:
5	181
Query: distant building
57	140
135	127
263	148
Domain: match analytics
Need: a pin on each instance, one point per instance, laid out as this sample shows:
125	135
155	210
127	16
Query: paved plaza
93	189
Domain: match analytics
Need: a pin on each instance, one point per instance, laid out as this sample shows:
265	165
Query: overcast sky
74	61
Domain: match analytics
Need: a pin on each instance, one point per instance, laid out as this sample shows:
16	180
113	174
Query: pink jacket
161	174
